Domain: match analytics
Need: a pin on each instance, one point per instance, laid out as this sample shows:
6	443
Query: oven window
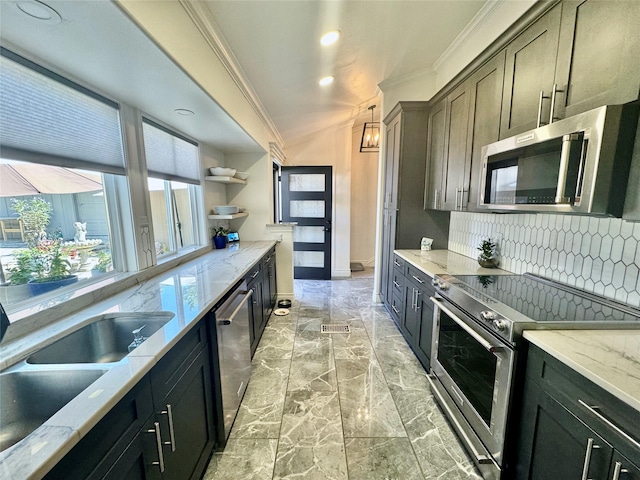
469	364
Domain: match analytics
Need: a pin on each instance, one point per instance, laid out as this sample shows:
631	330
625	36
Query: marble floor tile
259	416
322	462
368	410
243	460
381	458
339	406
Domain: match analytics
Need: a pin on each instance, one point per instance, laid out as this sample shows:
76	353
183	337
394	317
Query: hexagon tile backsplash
600	255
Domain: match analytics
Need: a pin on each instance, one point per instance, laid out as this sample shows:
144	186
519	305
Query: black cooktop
543	300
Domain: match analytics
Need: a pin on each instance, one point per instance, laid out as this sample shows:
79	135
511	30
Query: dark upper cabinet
529	75
485	101
579	55
455	157
598	55
436	155
405	221
460	125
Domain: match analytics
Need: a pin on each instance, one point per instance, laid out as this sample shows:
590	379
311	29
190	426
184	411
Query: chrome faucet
138	338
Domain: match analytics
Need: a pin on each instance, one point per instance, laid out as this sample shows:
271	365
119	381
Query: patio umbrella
19	178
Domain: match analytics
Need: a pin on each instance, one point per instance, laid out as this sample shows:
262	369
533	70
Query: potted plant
16	288
50	267
488	257
219	237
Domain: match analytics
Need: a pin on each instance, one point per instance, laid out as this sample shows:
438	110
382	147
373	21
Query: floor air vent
335	329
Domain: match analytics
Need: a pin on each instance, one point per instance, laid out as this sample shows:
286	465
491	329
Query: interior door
307	200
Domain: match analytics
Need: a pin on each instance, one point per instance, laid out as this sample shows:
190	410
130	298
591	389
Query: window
171	215
61	154
173	165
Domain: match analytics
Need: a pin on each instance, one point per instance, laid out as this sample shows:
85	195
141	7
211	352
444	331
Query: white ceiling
100	46
277	44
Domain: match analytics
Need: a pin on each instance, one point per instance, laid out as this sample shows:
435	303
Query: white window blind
46	118
169	155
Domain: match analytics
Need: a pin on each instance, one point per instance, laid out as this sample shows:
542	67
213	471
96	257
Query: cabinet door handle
617	470
393	307
395	262
255	274
540	99
417	279
396	284
587	458
552	109
418	293
436	199
156	430
172	436
594	411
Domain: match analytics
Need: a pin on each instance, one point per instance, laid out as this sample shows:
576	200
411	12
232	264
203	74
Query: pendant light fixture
370	135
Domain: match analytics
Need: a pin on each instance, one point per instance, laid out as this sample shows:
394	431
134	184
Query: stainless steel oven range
477	335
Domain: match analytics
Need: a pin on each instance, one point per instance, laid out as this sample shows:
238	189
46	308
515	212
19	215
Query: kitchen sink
30	398
105	340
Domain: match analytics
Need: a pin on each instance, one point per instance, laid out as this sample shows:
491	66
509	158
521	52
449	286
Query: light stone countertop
209	277
434	262
609	358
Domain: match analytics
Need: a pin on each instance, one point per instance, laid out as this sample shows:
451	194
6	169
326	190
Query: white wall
331	147
364	191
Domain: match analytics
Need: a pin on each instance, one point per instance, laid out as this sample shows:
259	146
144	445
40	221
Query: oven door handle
487	345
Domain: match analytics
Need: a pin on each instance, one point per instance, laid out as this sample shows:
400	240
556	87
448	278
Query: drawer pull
587	458
255	274
617	470
393	307
417	279
395	262
172	435
396	284
594	411
156	430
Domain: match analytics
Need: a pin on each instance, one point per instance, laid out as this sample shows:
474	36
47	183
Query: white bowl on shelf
222	171
241	175
225	209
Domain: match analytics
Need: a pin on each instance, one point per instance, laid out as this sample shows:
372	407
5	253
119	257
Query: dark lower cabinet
262	280
163	429
412	309
570	428
555	443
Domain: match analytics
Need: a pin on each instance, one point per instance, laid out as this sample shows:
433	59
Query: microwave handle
567	142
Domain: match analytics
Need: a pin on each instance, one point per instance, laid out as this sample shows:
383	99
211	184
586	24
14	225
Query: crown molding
277	153
206	24
392	82
483	15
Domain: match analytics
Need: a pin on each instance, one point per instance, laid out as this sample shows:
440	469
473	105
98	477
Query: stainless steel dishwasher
234	351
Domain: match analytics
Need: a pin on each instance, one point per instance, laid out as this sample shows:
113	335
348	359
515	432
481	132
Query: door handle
540	100
552	109
172	435
587	458
156	431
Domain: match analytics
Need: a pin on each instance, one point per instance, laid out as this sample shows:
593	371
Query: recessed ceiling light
326	81
39	11
330	37
184	111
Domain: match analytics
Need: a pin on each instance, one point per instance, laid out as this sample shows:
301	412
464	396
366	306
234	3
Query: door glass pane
307	208
308	259
306	182
308	234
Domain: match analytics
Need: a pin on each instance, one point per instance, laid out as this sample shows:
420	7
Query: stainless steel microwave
576	165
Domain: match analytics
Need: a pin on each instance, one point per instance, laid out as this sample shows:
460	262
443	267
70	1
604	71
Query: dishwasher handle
222	315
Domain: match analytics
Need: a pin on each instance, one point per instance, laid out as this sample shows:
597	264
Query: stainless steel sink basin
105	340
30	398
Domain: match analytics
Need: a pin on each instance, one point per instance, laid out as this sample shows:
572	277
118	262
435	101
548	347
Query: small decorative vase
488	262
220	242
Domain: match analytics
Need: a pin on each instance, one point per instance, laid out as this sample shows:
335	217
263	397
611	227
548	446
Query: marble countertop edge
608	358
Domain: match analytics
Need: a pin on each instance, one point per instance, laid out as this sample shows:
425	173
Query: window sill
26	318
